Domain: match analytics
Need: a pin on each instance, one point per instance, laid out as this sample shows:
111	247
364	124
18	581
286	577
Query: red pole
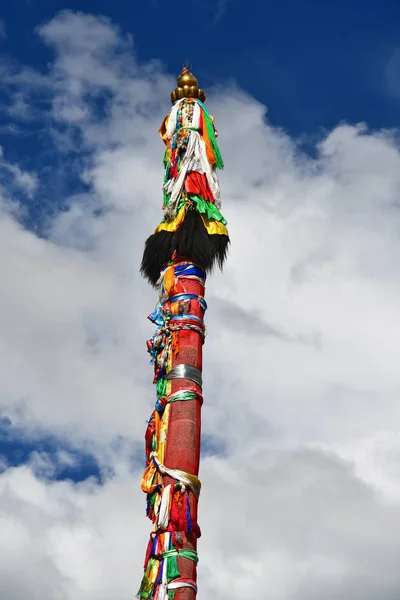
183	442
190	240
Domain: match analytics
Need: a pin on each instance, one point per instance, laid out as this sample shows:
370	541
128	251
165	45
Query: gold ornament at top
188	87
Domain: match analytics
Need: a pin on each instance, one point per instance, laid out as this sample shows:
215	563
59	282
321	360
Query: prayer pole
191	239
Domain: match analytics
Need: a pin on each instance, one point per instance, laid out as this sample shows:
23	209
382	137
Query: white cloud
297	525
303	333
19	108
23	180
64	542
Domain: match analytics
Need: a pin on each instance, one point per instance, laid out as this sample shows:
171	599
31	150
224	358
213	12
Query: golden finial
188	86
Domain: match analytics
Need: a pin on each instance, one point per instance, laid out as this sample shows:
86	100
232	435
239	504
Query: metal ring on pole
183	371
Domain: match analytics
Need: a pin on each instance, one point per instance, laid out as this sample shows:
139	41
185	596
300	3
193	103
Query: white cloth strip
175	585
163	515
191	481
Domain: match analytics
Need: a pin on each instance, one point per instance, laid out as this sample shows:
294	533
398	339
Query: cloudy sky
301	438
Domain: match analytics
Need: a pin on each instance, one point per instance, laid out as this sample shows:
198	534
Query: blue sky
314	64
300	365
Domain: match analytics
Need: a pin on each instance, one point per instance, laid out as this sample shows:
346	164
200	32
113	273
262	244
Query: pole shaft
184	429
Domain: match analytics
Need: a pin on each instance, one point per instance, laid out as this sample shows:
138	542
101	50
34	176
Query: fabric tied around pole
163	515
185	395
171	556
183	371
191	481
200	299
176	585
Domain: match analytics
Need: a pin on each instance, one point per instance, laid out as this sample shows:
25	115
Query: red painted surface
184	429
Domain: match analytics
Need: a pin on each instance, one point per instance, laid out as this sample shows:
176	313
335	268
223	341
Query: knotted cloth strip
183	371
175	585
184	553
191	481
163	514
184	395
172	562
200	299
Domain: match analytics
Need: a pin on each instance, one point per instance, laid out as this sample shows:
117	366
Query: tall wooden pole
183	443
189	241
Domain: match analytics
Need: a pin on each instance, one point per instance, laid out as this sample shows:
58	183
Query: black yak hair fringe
190	241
